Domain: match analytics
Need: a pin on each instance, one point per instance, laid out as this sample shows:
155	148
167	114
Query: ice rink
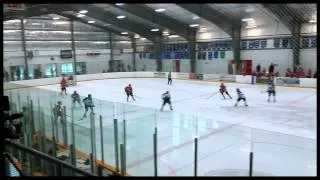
282	135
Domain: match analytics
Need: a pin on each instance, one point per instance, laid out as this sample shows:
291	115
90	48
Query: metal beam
36	11
134	48
204	11
236	40
24	46
71	17
157	52
147	13
102	15
293	22
286	15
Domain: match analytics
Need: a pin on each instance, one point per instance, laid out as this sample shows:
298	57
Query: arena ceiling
156	20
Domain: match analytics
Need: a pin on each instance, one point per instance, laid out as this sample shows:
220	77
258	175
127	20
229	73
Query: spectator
315	74
289	73
271	69
297	66
277	74
258	68
300	73
309	74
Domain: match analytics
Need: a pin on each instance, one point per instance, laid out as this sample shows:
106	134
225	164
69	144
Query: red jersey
128	89
63	83
222	87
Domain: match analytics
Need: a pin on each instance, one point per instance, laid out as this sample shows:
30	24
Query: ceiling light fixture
60	23
312	21
83	11
249	27
160	10
56	18
121	17
124	33
247	19
173	36
81	15
154	30
165	32
91	22
12	21
143	39
195	17
36	24
119	4
194	25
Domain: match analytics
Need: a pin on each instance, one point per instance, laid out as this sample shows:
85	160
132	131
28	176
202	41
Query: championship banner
230	78
287	81
263	80
159	74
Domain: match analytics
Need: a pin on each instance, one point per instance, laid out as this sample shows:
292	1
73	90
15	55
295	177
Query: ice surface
282	135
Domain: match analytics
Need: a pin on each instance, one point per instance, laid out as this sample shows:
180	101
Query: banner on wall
159	74
287	81
263	80
215	54
222	54
229	78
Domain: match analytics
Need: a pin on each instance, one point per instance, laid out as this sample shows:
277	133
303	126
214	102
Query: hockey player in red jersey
63	84
129	91
223	89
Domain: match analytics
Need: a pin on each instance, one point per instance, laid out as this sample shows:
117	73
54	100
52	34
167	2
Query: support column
26	67
134	47
157	52
111	50
192	50
74	53
296	44
236	36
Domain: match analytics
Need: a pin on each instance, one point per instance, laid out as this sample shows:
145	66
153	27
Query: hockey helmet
238	90
74	92
59	102
129	85
89	95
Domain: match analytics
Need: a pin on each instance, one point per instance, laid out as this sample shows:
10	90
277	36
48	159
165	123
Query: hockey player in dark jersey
58	111
75	98
240	97
271	91
166	99
223	90
88	103
129	92
169	78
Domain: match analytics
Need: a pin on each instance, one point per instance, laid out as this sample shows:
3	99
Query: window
210	55
67	69
81	68
313	42
51	70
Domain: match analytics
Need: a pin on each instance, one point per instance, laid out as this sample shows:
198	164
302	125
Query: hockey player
166	99
129	91
58	111
88	103
169	78
271	90
63	84
240	97
223	89
75	98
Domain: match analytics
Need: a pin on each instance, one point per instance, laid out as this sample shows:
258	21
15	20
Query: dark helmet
238	90
129	85
59	102
74	92
89	95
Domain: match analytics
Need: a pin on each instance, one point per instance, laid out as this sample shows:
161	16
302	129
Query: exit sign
14	6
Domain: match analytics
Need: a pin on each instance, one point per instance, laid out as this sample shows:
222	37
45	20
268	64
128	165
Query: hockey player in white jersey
166	99
271	91
241	96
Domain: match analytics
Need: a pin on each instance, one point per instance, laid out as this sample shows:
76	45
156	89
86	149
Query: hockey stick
212	95
137	96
